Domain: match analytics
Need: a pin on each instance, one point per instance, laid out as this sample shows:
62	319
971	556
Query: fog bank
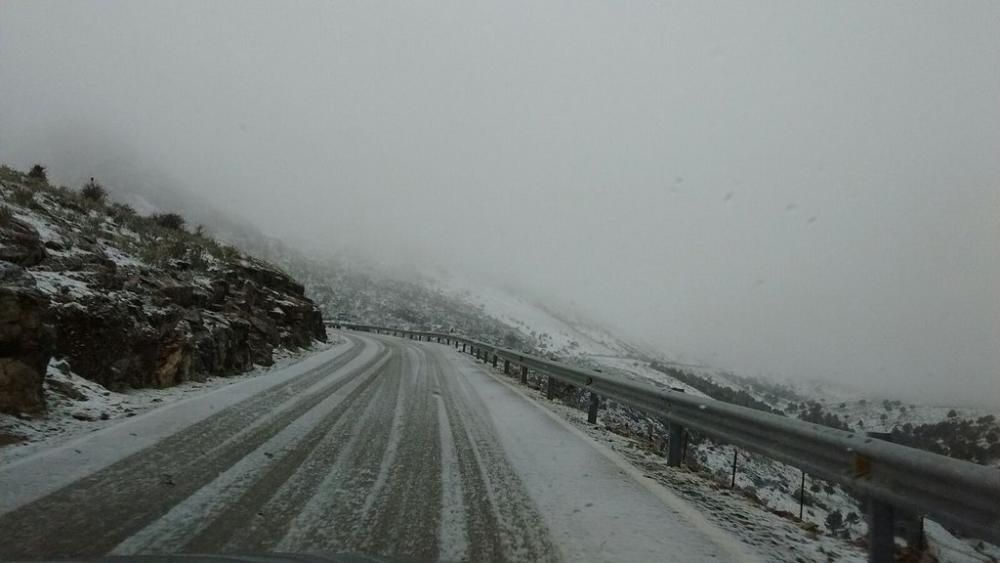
804	189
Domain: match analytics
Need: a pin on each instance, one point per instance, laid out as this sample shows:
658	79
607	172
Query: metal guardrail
958	494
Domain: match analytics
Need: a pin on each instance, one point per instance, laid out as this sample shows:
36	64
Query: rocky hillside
127	300
359	293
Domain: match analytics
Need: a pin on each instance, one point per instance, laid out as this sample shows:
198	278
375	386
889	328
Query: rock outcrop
26	341
128	303
185	331
20	243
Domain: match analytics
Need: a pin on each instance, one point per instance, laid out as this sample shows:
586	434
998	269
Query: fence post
506	366
550	390
524	375
732	484
802	495
595	403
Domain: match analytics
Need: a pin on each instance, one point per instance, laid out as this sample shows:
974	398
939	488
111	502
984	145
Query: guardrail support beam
550	389
524	375
506	366
595	403
494	360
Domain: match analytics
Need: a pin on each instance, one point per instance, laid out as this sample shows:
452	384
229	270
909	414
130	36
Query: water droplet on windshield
728	197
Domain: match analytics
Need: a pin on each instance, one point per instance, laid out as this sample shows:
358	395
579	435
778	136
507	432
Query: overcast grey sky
801	188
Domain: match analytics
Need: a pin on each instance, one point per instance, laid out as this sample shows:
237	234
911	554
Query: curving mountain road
379	446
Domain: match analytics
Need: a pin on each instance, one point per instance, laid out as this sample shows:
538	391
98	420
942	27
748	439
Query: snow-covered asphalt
380	446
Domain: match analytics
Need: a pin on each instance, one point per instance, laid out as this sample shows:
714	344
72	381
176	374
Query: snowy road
380	446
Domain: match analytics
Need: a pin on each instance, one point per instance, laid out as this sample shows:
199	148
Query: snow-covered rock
130	301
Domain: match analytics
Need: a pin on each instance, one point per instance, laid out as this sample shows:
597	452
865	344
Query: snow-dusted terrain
378	445
554	332
77	406
769	487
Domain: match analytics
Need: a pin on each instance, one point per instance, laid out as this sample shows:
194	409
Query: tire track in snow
385	452
327	520
232	502
140	488
406	511
452	537
502	522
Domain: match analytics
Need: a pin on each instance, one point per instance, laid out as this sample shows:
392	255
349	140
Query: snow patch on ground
554	333
77	406
121	259
639	369
949	549
52	283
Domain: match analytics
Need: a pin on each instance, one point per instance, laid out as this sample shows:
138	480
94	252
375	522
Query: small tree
834	521
170	221
37	172
94	192
123	213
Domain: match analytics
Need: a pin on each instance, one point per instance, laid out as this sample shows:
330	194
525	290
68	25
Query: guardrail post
524	375
675	451
881	531
506	366
882	522
675	437
550	389
494	360
595	403
463	348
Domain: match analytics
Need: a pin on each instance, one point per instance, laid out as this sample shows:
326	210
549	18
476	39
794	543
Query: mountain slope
129	301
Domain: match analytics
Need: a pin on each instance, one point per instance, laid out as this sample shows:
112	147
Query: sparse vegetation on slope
127	300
